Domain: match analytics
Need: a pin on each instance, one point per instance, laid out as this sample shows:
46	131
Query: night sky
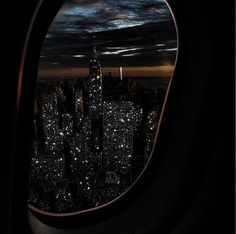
138	35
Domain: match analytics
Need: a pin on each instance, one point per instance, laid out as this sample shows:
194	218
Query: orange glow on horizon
156	71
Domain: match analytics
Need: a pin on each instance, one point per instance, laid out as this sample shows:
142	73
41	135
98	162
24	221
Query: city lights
91	135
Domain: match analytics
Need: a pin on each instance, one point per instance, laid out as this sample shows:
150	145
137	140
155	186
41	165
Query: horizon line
152	71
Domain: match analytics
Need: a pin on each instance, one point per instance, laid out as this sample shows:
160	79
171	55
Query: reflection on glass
103	76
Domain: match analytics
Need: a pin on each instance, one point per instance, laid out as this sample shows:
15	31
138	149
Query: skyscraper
50	116
119	121
95	86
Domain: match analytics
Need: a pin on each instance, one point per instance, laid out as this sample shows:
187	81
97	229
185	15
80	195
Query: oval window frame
27	52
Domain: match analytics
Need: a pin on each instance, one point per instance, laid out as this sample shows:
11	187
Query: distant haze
158	71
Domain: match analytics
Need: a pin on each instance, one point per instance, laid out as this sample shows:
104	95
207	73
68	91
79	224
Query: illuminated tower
50	120
121	73
95	86
118	120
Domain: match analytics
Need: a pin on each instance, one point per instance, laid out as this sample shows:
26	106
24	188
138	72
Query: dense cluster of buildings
92	138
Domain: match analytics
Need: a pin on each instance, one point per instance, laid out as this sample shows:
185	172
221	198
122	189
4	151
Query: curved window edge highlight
94	64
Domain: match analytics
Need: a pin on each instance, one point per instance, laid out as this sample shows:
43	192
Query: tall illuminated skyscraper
95	86
119	122
50	116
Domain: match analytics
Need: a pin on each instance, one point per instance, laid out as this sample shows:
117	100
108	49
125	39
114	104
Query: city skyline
103	75
92	138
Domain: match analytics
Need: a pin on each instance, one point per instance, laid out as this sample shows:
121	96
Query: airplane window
104	72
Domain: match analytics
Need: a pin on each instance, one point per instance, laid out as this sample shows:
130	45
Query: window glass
104	71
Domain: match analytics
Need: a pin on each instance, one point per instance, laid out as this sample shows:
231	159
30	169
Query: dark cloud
85	2
92	16
128	33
